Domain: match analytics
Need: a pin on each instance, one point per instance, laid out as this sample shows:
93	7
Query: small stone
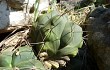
48	65
43	54
61	62
54	64
66	58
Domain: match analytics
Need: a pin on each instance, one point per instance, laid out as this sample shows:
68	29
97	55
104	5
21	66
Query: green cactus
24	59
60	36
5	58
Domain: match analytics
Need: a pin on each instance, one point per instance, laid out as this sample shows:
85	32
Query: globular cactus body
60	36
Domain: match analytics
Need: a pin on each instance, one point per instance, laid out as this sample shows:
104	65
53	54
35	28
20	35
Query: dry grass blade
78	16
15	40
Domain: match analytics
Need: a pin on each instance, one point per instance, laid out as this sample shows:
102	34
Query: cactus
59	35
24	59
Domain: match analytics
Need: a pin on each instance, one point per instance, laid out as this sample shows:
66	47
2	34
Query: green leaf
36	12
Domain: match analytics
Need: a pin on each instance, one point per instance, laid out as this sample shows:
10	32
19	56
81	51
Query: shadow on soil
83	61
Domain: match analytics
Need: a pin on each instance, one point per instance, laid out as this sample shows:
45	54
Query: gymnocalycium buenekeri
57	35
